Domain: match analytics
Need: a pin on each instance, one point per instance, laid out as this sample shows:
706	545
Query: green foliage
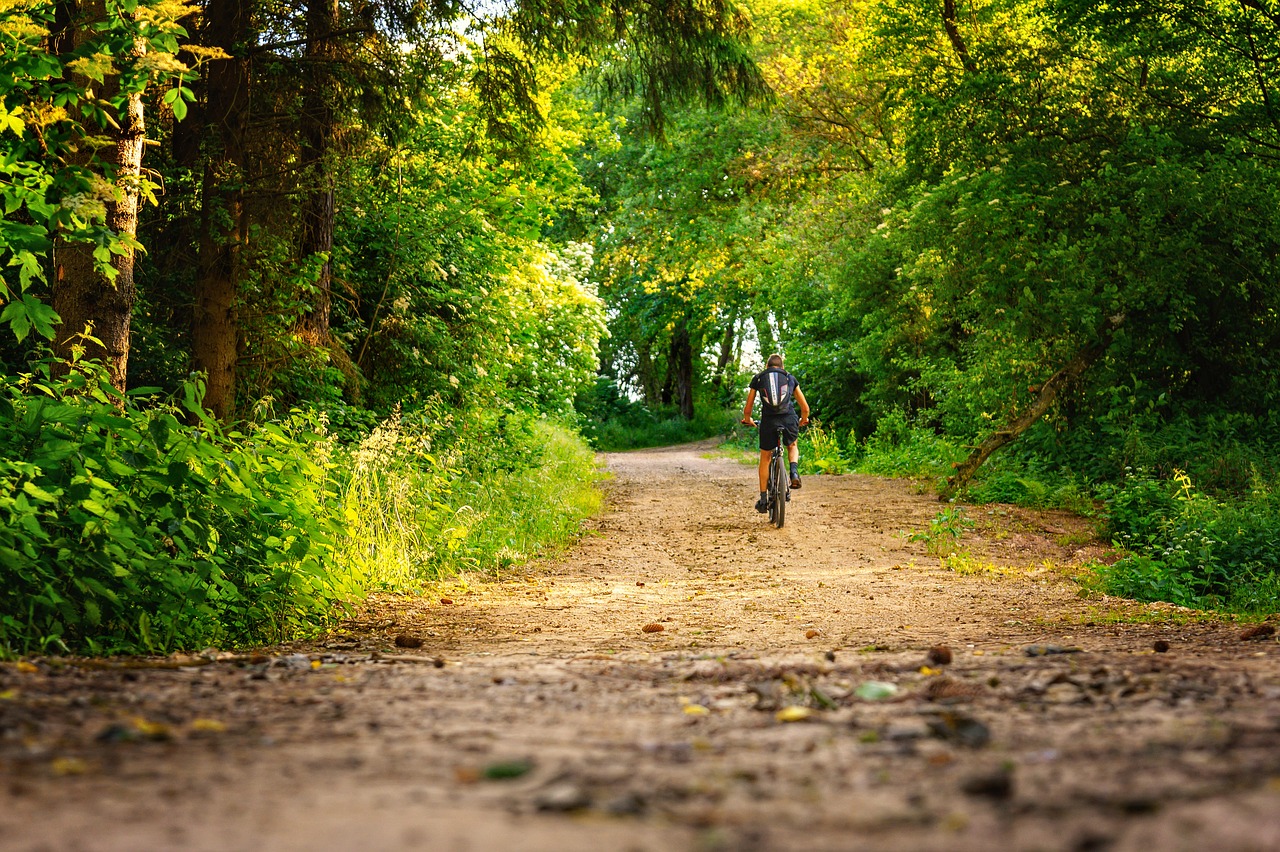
898	448
1184	546
124	529
942	537
613	422
55	106
820	451
431	493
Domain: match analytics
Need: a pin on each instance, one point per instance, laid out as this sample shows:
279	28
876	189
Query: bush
1184	546
125	529
820	451
897	448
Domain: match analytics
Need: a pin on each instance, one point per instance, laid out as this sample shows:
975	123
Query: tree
75	119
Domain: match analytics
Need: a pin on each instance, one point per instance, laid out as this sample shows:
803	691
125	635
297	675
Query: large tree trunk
222	226
680	367
83	294
317	132
1046	396
647	374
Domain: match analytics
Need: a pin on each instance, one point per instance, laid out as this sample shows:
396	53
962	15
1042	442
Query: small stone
1160	646
628	804
959	728
939	655
997	784
562	796
831	656
1064	693
405	640
1259	631
810	634
446	601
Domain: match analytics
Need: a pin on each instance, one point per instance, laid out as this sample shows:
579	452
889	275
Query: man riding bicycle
776	387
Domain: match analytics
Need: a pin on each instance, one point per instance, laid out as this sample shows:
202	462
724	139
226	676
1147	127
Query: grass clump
430	494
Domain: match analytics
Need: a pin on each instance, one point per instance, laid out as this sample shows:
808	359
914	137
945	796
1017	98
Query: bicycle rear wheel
778	490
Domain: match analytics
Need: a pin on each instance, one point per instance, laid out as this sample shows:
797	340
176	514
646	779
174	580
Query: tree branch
953	33
1048	394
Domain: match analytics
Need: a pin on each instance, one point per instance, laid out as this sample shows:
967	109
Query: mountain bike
779	493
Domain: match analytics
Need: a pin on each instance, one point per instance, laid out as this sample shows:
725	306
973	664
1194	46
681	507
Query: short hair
775	360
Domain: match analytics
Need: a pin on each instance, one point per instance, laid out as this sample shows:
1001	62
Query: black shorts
769	426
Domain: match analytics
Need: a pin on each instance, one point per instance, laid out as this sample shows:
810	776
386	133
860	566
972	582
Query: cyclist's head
775	360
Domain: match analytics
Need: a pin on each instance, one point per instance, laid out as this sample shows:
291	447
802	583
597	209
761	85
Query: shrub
1184	546
125	529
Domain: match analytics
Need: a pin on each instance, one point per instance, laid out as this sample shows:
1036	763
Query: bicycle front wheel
778	486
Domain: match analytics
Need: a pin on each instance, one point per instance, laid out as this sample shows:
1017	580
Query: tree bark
646	374
83	294
222	226
728	342
1045	398
317	132
680	366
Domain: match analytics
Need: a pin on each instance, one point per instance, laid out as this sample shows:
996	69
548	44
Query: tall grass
425	498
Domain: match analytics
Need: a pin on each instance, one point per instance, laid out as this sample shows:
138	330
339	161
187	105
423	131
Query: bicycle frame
779	490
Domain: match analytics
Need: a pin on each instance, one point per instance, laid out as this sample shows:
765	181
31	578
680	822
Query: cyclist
777	388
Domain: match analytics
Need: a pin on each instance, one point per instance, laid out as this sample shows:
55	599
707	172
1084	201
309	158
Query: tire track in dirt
620	739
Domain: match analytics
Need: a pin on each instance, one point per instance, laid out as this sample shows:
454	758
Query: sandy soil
789	701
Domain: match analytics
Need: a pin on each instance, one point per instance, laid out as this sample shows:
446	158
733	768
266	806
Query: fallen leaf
653	628
696	710
928	672
405	640
69	766
794	713
152	730
506	769
446	601
8	695
28	668
1048	650
208	726
939	655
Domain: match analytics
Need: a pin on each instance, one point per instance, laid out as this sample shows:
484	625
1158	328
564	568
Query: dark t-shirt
776	388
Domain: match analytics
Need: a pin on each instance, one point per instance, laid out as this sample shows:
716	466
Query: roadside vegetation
363	328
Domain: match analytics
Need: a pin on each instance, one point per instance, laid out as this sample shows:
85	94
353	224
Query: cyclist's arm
746	410
804	406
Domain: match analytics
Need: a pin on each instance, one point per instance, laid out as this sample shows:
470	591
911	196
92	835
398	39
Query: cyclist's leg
791	437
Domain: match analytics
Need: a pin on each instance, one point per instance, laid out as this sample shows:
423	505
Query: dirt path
540	714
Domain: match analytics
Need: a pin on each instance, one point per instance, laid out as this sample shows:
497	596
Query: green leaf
38	493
